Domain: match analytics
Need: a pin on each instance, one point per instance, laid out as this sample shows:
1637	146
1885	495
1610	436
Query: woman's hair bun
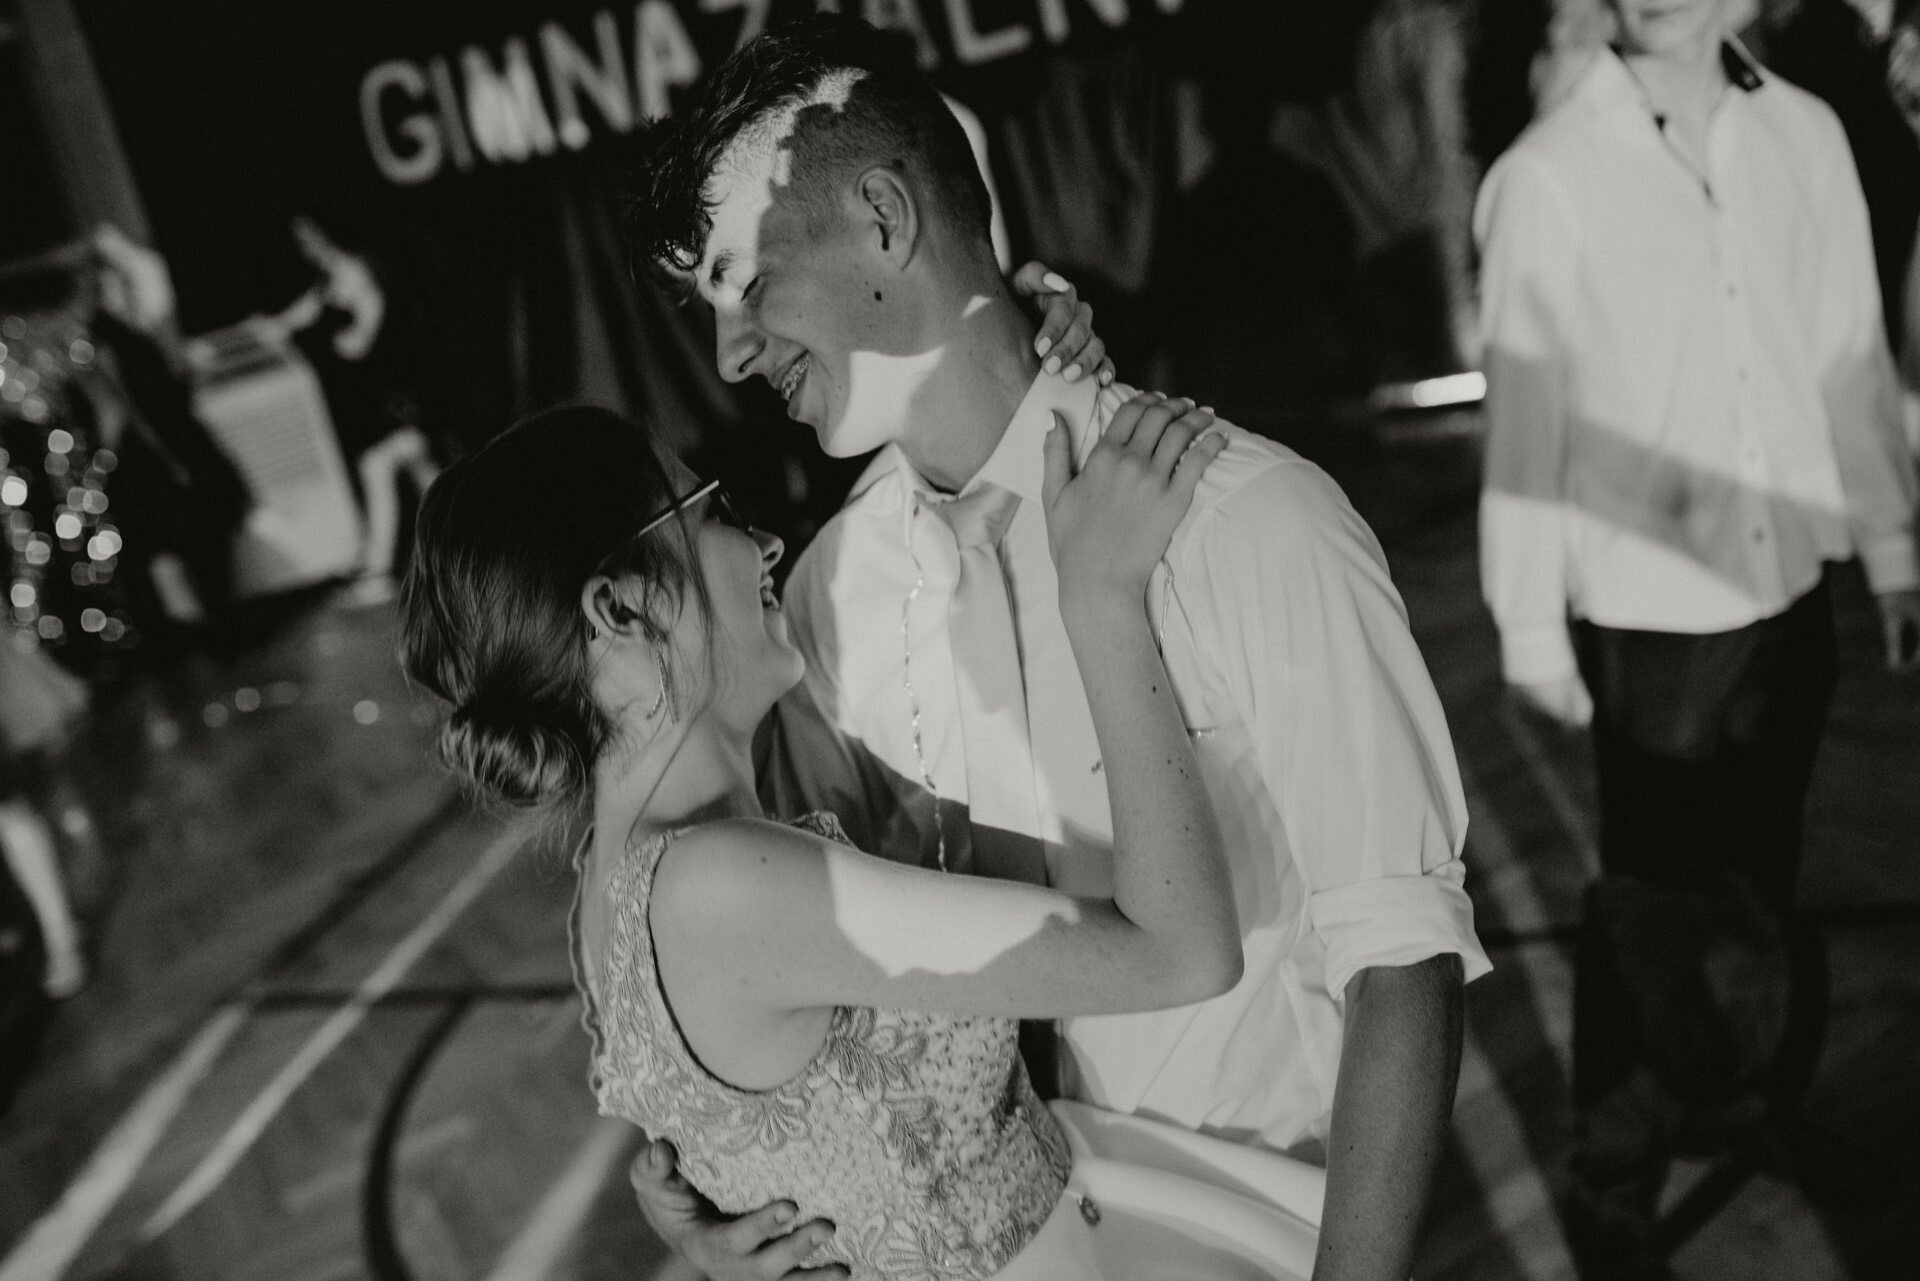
522	751
490	619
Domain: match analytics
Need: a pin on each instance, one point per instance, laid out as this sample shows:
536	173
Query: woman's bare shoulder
721	871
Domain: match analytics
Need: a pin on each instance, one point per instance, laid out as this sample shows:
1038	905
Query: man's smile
789	382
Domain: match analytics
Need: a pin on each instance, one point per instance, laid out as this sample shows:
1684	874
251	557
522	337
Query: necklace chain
913	699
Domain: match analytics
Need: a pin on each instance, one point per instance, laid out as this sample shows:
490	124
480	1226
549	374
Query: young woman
804	1021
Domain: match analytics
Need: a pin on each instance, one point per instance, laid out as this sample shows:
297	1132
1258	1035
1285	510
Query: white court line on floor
550	1230
56	1239
1573	820
1548	974
1518	1198
49	1247
328	1037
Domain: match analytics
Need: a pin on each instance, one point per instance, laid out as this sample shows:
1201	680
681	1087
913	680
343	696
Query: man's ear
892	214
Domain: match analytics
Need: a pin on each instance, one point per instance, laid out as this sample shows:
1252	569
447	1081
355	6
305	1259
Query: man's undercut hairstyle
854	99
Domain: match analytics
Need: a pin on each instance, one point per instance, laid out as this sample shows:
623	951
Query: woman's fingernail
784	1214
1106	376
1206	409
1056	282
1053	365
1042	345
1073	372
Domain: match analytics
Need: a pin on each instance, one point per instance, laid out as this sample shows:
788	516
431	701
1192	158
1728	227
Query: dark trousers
1685	988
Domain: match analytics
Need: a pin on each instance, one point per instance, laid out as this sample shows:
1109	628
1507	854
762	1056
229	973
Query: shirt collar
1018	463
1741	67
1615	80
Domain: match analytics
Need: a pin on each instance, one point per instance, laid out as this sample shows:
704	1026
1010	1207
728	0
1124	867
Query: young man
824	201
1691	411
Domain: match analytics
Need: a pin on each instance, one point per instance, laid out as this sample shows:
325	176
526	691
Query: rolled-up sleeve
1311	643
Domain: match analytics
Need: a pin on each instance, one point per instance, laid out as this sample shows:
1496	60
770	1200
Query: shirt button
1741	373
1759	535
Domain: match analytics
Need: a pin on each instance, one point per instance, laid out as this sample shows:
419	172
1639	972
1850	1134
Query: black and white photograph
932	640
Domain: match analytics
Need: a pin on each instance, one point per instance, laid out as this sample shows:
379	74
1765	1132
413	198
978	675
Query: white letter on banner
504	110
424	161
752	25
904	15
1053	16
450	121
569	70
663	56
971	46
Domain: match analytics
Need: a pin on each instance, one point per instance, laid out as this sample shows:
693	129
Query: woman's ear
609	608
892	214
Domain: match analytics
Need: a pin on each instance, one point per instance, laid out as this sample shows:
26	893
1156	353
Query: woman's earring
662	698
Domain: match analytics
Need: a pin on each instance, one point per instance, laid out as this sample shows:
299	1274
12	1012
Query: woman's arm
770	919
783	920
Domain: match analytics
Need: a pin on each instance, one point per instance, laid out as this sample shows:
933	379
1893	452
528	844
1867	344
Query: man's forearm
1398	1069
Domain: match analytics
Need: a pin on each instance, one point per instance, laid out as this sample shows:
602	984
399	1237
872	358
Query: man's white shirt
1318	731
1691	405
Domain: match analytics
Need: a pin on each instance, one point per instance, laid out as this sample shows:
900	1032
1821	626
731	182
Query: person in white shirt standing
825	204
1691	413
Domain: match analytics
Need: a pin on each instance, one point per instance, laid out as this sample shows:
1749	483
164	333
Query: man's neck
962	410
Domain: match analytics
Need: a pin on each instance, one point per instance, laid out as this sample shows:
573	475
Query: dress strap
638	862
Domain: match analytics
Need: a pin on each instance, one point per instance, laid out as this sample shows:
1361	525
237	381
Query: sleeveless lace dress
917	1134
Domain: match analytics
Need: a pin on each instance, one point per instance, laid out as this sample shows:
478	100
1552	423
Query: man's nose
771	547
737	344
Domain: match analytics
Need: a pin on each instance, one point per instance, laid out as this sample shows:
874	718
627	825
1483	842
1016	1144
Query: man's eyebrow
722	264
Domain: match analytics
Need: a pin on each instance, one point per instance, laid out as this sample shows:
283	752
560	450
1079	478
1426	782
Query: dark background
514	279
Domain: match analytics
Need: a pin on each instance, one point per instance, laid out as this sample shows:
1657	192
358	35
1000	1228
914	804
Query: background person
1691	413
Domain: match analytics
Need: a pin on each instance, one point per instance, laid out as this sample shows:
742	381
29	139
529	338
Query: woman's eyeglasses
718	500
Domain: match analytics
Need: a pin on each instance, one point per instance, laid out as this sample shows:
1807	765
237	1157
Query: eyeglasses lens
729	512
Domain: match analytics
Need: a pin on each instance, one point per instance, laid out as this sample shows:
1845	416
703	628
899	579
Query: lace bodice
917	1134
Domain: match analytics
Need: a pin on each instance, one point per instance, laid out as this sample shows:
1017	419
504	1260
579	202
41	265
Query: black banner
238	114
384	120
582	76
472	150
